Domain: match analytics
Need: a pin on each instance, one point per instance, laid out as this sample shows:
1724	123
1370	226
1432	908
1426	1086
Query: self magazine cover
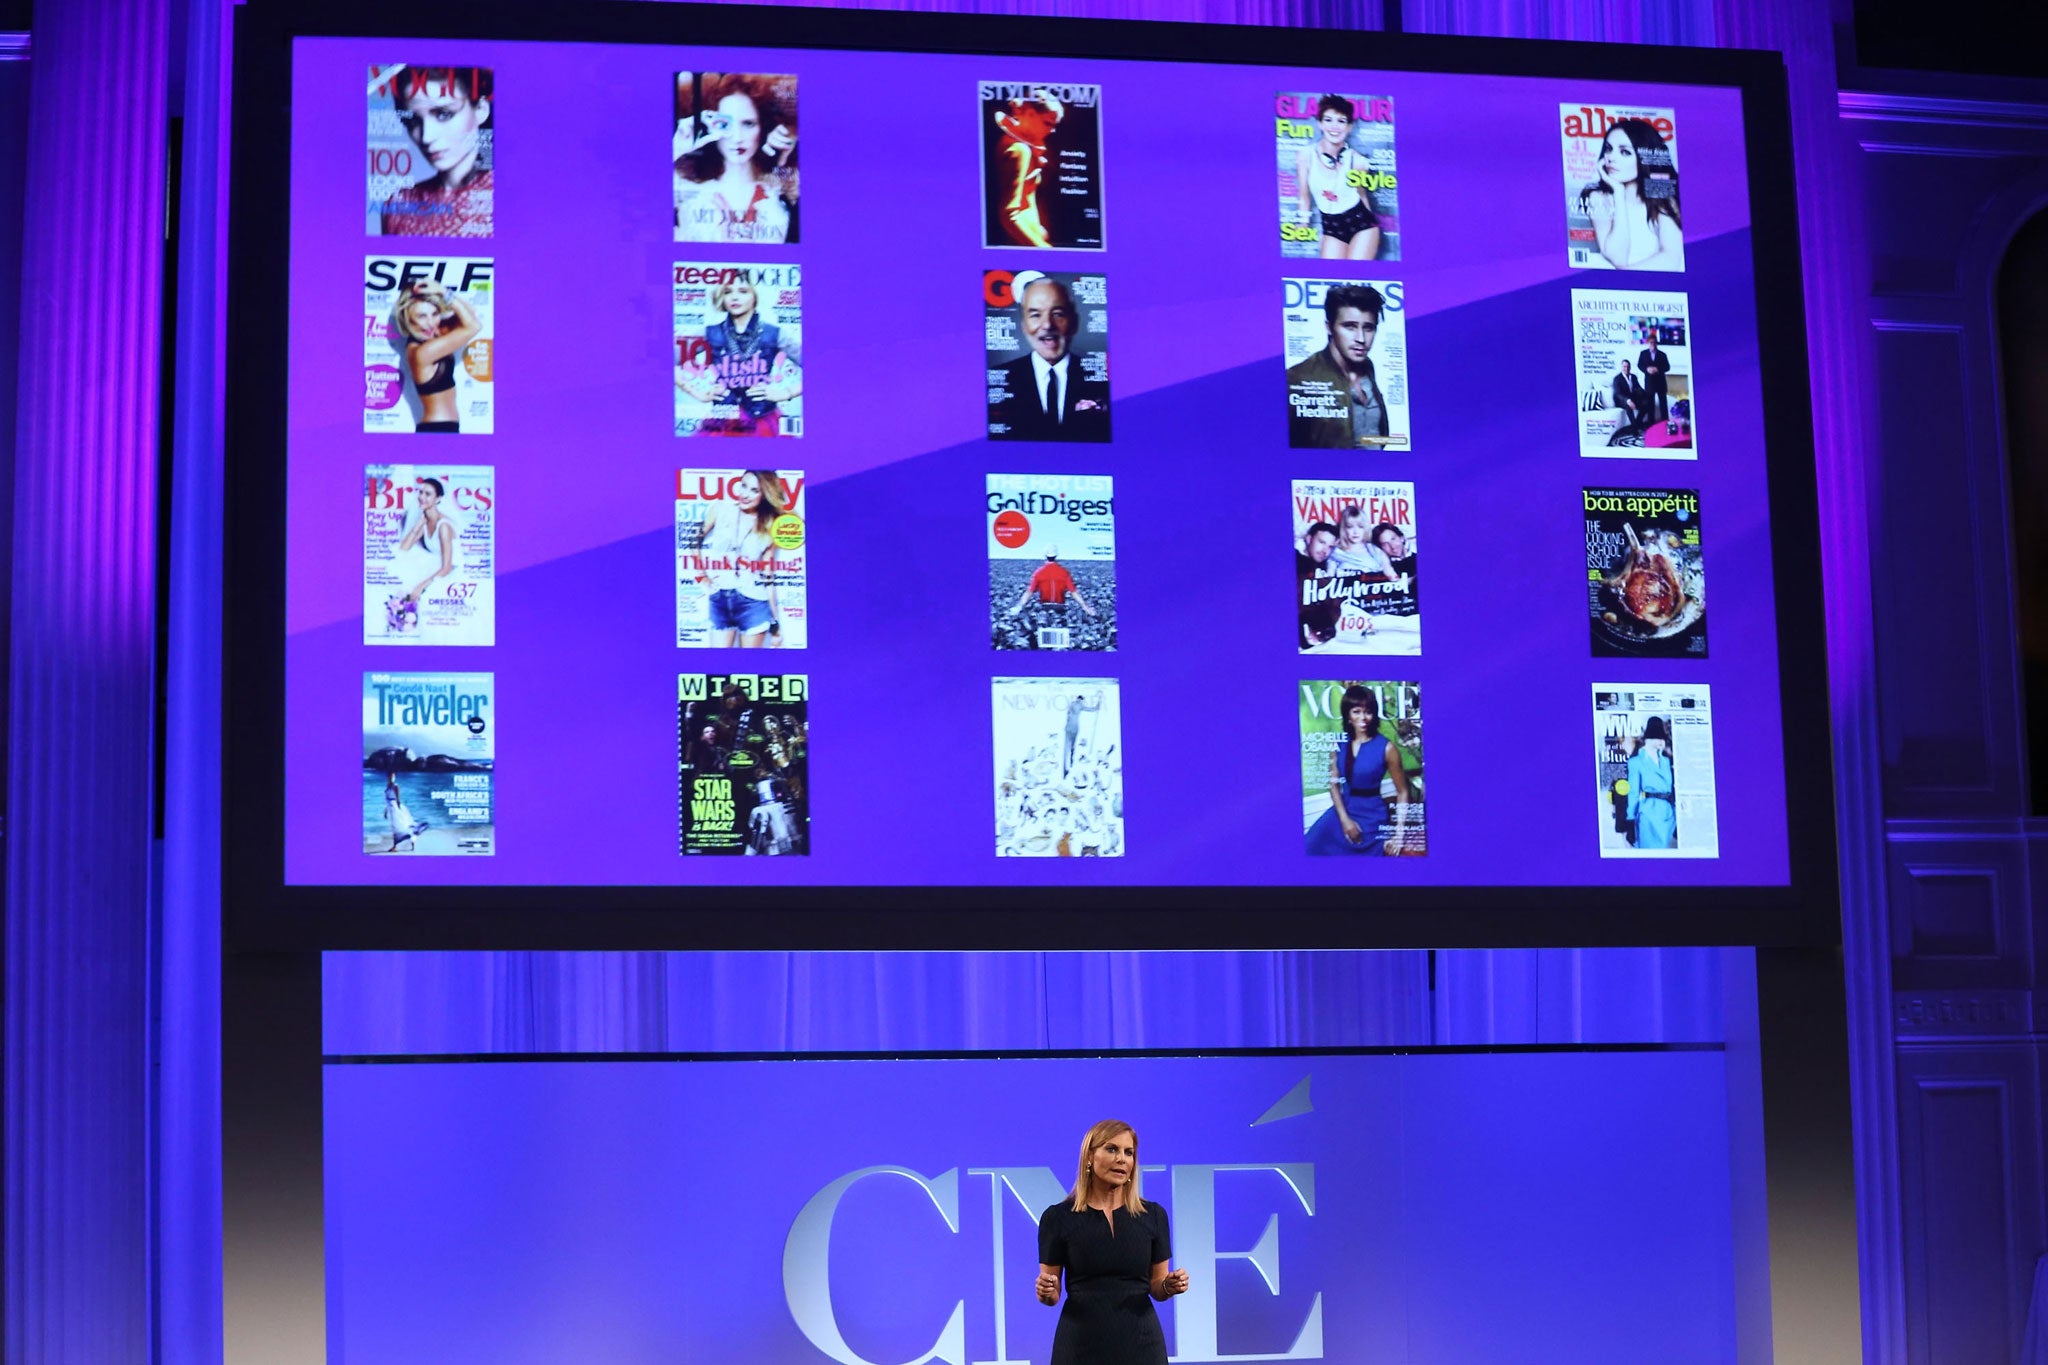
739	349
742	742
742	575
1654	756
1622	203
736	158
1347	364
430	145
1051	561
1637	395
1059	768
1361	768
1338	194
1047	337
427	344
429	745
1646	576
1041	164
429	554
1355	582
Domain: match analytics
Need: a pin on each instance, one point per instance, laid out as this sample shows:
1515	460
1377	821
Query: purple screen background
899	664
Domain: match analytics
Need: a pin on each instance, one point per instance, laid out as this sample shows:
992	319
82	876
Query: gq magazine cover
741	570
735	158
429	758
1646	576
1636	389
1347	364
1361	769
429	554
430	151
1051	561
427	344
1621	199
1047	337
742	742
1653	750
1059	768
1041	164
1338	195
739	349
1355	582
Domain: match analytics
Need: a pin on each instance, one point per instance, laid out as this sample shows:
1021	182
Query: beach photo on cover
429	760
1356	585
1622	209
1654	760
1059	768
1361	768
735	152
1347	364
427	345
1047	337
743	743
1051	561
1041	164
1338	194
430	145
739	349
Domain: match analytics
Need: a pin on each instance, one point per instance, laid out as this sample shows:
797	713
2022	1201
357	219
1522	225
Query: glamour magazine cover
1340	198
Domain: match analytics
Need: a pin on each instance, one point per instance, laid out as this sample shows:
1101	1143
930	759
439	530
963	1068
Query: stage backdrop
1432	1207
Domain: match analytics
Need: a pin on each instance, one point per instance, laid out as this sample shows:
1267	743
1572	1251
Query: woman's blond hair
1084	1180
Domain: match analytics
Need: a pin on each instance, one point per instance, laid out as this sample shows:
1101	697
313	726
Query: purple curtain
955	1002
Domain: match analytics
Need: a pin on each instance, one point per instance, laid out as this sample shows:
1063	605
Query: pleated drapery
80	703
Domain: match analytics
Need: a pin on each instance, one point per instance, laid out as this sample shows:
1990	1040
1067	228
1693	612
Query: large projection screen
982	639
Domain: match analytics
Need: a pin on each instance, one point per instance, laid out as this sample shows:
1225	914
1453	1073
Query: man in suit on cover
1045	395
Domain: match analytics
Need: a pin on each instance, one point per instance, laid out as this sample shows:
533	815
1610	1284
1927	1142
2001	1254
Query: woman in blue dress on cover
1651	791
1357	813
1113	1250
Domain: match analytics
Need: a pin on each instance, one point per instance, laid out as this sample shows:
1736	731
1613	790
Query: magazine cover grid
431	577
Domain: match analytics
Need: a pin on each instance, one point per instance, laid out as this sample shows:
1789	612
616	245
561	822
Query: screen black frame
262	912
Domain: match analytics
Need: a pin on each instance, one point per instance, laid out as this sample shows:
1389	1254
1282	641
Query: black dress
1108	1318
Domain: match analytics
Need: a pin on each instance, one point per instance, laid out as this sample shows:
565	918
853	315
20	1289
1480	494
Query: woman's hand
1175	1283
1048	1286
1352	834
1600	208
780	143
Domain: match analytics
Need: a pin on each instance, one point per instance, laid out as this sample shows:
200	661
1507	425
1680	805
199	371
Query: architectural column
1834	260
77	1054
